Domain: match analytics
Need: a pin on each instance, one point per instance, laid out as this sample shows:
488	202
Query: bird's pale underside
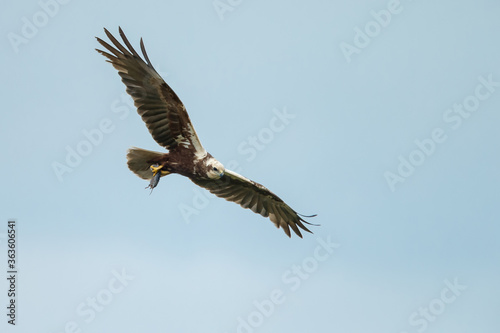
169	124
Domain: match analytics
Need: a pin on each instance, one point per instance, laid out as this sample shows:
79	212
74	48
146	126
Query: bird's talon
155	168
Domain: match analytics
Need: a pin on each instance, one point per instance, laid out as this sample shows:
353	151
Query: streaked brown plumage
169	124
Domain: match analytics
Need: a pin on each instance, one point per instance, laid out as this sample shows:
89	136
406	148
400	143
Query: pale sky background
422	256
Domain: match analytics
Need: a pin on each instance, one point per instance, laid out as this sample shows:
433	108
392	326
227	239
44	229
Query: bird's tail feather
139	161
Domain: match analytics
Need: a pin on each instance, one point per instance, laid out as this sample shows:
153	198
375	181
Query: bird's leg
156	168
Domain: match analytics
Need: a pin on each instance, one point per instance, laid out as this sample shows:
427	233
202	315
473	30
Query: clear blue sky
388	130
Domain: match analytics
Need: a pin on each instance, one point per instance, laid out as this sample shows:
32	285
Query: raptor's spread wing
252	195
160	108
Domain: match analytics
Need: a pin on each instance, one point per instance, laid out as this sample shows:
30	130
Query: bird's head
215	169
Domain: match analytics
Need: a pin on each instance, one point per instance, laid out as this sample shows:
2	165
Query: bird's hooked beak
221	174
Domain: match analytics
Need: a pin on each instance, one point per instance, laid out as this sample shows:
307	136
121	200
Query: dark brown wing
254	196
160	108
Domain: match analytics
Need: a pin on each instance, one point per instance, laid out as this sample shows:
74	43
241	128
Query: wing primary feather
295	228
110	57
289	217
117	43
286	228
108	47
287	221
314	215
144	53
125	40
301	219
300	224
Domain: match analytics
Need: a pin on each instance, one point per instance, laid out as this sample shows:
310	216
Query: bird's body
169	124
180	161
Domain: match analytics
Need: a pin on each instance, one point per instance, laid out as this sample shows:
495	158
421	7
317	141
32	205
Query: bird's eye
215	169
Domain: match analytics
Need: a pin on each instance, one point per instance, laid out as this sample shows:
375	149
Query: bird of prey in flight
169	124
